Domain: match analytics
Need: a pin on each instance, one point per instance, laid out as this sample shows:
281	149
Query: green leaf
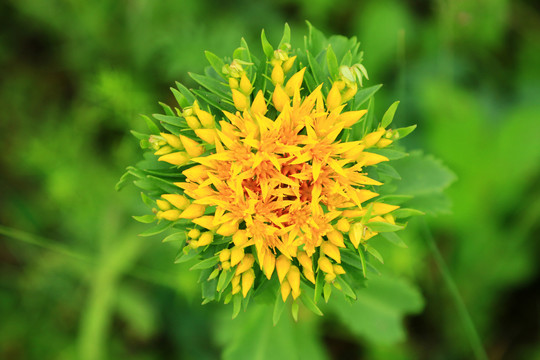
154	129
327	291
308	302
224	279
173	120
178	236
389	115
180	98
405	212
332	63
267	48
208	288
391	155
253	336
206	263
145	219
159	228
166	108
364	95
402	132
316	70
422	175
213	86
124	180
184	256
345	288
139	135
394	239
316	39
186	93
380	226
378	313
216	63
294	310
279	306
237	304
286	38
353	259
319	283
388	170
377	255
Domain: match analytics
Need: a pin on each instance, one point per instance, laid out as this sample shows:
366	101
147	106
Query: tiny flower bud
245	85
248	279
206	238
331	250
177	158
333	100
246	264
282	266
163	205
170	215
178	201
196	173
194	233
277	75
240	100
173	140
240	237
193	122
343	225
224	255
325	265
336	238
193	148
193	211
237	254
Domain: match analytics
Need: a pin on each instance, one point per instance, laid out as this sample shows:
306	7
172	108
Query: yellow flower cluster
284	188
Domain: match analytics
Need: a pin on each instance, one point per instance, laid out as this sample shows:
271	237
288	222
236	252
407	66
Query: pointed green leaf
380	226
159	228
145	219
332	63
279	306
402	132
267	48
394	239
216	63
206	263
389	114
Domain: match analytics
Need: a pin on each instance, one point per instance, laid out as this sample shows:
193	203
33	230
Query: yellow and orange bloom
274	187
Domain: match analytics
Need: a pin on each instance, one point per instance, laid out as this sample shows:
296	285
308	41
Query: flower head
273	167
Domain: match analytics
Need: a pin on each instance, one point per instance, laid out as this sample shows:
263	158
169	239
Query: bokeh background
77	282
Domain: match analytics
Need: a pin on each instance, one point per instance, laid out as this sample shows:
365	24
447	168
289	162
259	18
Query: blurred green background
77	282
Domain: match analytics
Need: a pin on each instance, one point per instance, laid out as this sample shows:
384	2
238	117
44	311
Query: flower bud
193	211
178	201
193	148
343	225
282	266
277	75
177	158
248	278
194	233
206	238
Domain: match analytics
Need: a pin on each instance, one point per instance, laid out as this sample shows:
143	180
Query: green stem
463	313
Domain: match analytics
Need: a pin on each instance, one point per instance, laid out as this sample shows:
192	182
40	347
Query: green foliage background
77	282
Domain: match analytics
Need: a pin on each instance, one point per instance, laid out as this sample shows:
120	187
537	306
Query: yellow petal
295	82
240	237
193	211
259	104
269	264
245	85
237	254
206	238
193	148
240	100
206	222
293	277
343	225
333	100
173	140
248	279
170	215
177	158
350	118
280	98
335	237
372	138
206	119
325	265
196	173
206	135
178	201
245	264
282	266
228	228
277	75
163	205
355	234
381	208
368	159
331	250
